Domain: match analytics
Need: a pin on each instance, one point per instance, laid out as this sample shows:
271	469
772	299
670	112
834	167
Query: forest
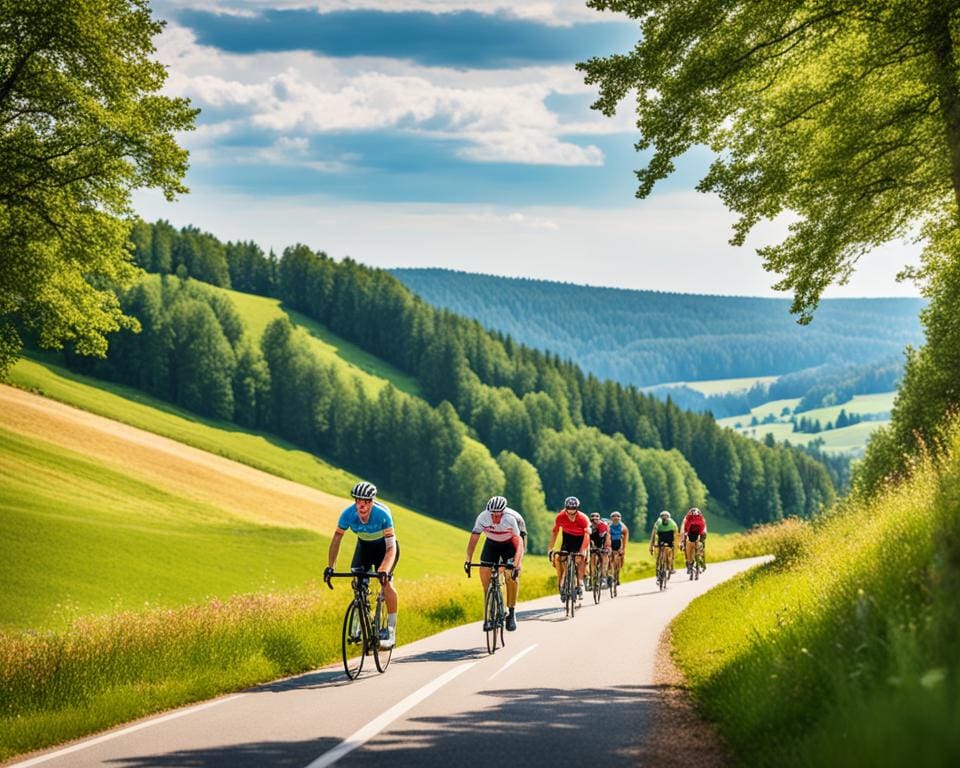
650	337
498	416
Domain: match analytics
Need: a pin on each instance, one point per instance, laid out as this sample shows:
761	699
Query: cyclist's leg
390	588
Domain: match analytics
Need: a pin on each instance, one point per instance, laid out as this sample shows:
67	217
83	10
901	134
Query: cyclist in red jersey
600	539
692	529
576	538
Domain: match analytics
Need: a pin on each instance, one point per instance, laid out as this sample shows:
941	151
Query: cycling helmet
665	515
594	515
496	504
614	514
571	502
694	511
365	491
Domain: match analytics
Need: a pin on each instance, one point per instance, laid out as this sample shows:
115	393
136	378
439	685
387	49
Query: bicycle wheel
381	656
355	640
596	581
501	616
571	586
490	619
614	576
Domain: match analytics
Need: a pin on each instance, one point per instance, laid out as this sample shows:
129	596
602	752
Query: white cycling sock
392	620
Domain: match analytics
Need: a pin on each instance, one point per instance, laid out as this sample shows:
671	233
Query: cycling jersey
576	527
616	531
665	531
598	533
378	526
695	524
506	530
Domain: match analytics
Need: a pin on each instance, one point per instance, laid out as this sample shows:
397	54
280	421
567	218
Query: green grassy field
852	439
258	311
725	386
842	651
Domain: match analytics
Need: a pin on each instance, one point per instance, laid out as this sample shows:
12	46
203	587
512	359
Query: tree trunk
947	87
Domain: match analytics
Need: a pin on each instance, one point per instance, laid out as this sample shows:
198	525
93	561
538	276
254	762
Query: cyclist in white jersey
504	541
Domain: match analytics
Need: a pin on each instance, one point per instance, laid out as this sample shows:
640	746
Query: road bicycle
699	558
362	625
614	574
569	583
663	565
494	613
597	573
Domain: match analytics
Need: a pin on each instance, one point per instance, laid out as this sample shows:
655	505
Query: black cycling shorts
615	544
691	536
665	537
571	542
369	554
598	541
497	551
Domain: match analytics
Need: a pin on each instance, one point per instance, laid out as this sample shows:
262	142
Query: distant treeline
553	429
818	387
648	337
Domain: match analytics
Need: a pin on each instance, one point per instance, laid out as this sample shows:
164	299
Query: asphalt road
561	692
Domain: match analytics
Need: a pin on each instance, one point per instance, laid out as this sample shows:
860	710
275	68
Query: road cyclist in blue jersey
505	533
619	536
376	549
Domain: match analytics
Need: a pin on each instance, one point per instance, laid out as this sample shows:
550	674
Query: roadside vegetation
843	650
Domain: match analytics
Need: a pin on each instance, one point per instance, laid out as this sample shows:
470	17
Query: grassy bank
100	671
843	651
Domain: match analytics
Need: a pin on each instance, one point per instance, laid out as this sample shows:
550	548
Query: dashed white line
123	732
371	729
513	661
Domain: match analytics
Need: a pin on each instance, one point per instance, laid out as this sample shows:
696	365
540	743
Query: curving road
563	690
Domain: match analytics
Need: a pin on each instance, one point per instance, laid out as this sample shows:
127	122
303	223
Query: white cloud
501	115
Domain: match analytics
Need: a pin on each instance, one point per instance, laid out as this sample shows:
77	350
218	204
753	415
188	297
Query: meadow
850	439
843	650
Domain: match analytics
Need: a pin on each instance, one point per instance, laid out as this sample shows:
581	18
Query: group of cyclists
505	533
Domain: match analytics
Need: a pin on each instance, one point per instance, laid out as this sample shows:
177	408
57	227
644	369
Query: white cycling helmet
571	502
496	504
365	491
664	515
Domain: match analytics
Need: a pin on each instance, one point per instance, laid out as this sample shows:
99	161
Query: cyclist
692	529
504	541
576	538
619	535
665	532
599	539
377	548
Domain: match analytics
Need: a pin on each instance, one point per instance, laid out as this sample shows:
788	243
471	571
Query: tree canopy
82	124
844	113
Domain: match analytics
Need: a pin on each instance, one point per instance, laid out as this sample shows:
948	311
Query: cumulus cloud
497	121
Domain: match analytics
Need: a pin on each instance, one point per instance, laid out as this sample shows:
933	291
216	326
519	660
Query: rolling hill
650	337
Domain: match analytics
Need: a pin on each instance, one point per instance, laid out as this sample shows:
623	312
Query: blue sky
450	133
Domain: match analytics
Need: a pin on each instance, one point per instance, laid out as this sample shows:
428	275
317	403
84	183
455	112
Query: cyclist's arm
625	536
391	553
553	537
585	547
334	548
472	545
518	553
606	540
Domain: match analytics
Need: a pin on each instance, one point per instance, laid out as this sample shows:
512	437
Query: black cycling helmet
571	502
365	491
496	504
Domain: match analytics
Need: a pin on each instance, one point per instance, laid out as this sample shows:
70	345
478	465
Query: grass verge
844	650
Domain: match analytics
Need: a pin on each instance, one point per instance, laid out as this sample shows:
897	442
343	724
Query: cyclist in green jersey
665	531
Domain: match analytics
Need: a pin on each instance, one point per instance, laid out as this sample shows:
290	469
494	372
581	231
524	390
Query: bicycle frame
663	565
494	613
361	626
598	571
570	581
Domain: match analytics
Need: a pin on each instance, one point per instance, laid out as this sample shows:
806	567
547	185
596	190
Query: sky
444	133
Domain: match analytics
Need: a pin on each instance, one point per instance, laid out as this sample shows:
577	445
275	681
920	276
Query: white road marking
123	732
513	661
371	729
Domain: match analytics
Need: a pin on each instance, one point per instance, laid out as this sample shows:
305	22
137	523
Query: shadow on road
526	727
449	654
277	754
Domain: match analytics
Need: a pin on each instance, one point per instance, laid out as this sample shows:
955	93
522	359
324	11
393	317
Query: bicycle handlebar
367	574
509	564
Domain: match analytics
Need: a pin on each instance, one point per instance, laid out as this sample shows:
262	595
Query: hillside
491	413
110	517
648	337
